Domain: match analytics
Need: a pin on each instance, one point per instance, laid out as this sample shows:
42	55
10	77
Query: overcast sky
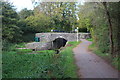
20	4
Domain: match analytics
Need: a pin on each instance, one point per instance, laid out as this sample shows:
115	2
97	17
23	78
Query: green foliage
23	26
6	45
90	39
116	62
44	64
10	31
20	51
73	43
28	32
114	13
39	22
24	13
84	23
20	45
63	15
93	20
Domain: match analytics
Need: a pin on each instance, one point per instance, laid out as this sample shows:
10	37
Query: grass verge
89	39
45	64
106	56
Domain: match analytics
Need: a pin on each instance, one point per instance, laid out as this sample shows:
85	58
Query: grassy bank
106	56
44	64
90	39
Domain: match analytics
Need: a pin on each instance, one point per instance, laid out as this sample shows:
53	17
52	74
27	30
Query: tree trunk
110	29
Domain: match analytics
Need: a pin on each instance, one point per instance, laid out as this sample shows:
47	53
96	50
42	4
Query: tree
63	15
38	23
24	13
10	31
110	28
114	12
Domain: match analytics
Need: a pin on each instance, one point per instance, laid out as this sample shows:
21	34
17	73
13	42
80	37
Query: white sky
21	4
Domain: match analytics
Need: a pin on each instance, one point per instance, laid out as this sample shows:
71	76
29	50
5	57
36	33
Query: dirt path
90	65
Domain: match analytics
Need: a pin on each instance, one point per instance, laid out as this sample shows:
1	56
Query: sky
21	4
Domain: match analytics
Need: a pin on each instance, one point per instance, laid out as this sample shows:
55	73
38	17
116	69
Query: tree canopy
10	30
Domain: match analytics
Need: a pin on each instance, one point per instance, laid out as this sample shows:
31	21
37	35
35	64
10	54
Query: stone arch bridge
47	38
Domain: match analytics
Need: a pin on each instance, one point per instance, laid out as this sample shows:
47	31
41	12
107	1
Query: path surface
90	65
